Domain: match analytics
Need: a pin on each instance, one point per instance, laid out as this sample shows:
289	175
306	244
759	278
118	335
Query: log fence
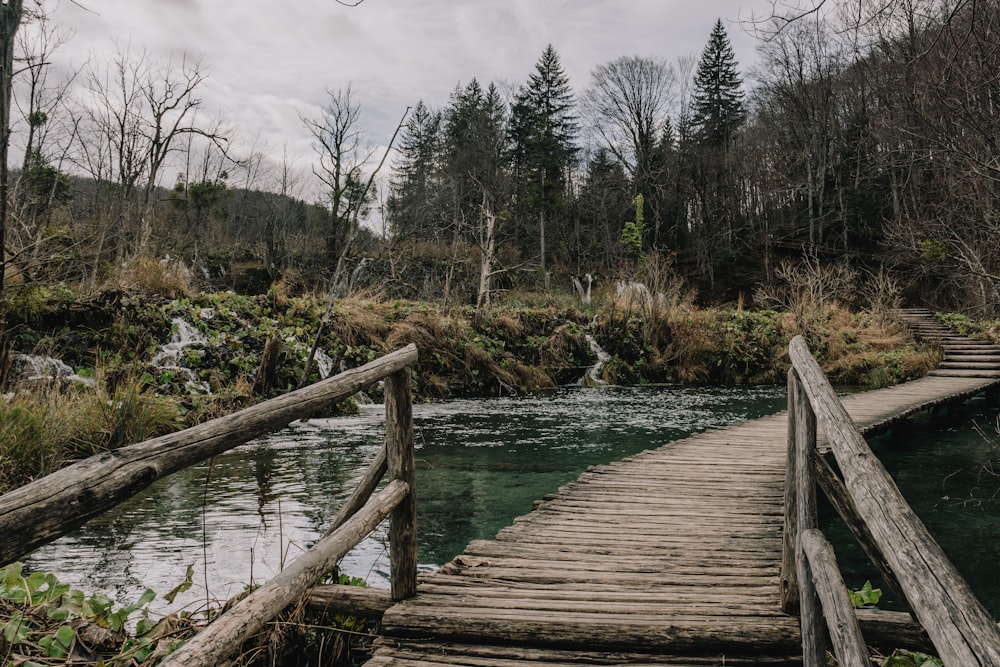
900	547
52	506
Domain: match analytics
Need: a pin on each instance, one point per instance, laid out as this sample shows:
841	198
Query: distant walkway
669	557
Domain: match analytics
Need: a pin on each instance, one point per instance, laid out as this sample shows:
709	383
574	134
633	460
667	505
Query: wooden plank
349	600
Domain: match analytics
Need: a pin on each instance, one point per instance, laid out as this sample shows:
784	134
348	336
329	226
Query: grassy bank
527	343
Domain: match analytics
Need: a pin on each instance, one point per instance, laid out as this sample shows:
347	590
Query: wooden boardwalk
669	557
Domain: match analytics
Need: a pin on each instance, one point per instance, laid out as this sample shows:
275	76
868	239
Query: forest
862	156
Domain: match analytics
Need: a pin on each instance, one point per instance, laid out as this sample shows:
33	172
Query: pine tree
715	217
543	132
718	105
413	204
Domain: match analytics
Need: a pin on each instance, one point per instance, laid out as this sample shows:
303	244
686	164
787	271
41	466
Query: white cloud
272	62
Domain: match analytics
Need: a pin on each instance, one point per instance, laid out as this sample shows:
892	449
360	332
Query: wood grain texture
962	631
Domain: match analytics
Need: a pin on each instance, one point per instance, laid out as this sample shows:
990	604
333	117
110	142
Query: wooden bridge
670	557
702	552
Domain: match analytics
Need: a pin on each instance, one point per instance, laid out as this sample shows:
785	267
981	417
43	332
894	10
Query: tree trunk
488	251
10	19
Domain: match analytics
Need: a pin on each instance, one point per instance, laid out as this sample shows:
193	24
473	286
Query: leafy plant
904	658
45	620
634	230
865	596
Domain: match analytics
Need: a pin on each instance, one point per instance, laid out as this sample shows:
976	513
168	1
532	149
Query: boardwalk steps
963	356
668	557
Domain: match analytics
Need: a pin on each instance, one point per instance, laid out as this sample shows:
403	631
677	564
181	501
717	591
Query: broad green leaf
15	630
58	645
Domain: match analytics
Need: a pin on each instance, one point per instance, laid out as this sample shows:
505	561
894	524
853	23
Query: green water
947	468
480	463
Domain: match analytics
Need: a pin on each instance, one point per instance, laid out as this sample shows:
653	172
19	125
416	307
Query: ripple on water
480	463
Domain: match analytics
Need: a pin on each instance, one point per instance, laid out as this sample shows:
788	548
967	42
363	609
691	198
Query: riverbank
145	365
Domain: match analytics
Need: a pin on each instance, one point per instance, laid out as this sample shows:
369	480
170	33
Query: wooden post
402	466
845	633
810	611
789	582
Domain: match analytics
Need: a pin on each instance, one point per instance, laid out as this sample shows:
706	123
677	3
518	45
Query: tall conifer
718	105
543	130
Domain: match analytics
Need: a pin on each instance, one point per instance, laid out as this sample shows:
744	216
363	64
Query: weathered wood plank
349	600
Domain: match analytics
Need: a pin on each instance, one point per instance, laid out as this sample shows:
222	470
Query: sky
271	63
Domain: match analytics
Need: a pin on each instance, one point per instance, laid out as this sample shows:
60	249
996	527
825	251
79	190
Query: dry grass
42	429
359	322
155	277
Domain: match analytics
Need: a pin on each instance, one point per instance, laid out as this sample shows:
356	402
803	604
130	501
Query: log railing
961	630
47	508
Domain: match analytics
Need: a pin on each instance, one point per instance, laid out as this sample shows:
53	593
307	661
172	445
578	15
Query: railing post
790	582
402	466
802	433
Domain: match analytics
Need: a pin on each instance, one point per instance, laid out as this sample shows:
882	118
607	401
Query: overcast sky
272	61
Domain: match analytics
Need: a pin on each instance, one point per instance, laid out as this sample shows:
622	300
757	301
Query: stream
480	463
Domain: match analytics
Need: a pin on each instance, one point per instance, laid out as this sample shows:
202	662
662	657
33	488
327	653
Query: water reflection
480	463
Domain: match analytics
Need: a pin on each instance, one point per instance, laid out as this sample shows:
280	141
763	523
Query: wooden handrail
962	632
95	485
50	507
223	637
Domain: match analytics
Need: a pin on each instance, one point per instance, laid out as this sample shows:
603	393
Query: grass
45	428
527	342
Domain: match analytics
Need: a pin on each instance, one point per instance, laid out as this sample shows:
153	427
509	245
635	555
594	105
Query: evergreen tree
474	145
413	207
605	200
715	200
718	105
543	133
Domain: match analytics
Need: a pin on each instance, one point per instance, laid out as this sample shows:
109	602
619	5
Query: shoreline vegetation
227	351
150	361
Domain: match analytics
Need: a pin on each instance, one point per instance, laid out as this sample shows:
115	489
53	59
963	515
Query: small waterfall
35	367
168	357
591	377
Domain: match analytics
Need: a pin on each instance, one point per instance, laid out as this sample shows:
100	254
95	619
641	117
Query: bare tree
628	106
134	112
344	156
40	102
